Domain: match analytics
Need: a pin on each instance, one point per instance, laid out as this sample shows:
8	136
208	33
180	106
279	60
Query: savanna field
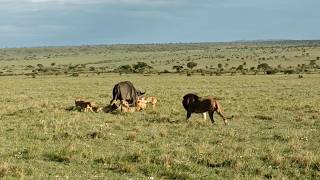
274	132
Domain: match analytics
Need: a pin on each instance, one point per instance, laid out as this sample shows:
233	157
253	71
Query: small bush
75	74
272	71
289	71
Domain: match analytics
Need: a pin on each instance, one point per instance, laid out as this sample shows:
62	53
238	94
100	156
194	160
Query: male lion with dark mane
195	104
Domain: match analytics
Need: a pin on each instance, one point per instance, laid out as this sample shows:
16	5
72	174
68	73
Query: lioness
194	104
86	106
125	107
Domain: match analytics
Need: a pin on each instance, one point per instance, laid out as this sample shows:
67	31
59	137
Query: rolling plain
274	132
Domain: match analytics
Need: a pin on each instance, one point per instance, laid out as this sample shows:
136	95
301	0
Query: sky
27	23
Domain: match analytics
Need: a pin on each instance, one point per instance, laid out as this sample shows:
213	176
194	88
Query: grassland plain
275	132
208	56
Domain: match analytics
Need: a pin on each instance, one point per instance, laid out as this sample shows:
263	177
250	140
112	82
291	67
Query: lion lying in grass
87	106
141	104
125	107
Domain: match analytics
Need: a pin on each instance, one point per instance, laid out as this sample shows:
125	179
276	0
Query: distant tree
53	64
140	67
312	63
191	65
40	66
264	67
178	68
289	71
219	66
125	68
240	68
75	74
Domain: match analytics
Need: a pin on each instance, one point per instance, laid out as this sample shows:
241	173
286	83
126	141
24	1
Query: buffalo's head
139	93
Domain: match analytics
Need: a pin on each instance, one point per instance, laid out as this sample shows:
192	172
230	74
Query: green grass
275	132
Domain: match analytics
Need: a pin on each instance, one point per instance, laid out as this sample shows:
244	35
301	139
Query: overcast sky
78	22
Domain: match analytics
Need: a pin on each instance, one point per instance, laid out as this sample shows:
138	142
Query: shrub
312	63
289	71
141	67
240	68
75	74
124	68
178	68
272	71
40	66
191	65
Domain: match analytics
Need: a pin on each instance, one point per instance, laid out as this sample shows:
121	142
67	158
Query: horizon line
160	43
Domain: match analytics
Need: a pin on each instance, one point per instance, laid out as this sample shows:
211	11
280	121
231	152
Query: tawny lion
125	107
153	101
141	104
86	106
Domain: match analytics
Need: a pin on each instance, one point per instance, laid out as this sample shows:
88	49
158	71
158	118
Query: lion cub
141	104
87	106
124	107
153	101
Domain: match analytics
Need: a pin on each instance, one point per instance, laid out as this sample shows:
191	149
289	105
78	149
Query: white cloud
18	6
64	2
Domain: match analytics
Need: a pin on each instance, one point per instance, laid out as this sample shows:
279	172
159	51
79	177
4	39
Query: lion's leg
188	114
222	116
204	116
211	116
220	113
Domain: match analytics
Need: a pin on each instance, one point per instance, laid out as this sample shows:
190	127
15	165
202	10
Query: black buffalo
125	91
